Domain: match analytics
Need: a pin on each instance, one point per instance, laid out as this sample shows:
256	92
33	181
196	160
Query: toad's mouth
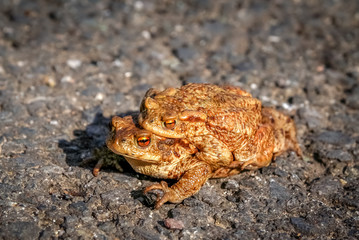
139	162
132	157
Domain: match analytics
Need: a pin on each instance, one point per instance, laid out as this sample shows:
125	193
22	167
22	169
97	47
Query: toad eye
143	141
170	124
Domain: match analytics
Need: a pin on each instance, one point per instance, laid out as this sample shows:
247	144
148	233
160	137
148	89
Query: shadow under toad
88	146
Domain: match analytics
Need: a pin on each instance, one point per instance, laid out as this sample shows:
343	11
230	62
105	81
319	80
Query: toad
166	158
159	157
223	123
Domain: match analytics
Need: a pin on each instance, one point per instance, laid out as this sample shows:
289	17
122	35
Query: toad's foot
97	167
190	183
169	194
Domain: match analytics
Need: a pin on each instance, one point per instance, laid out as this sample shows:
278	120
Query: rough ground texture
66	67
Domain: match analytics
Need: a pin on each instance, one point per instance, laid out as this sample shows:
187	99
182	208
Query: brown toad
166	158
159	157
224	123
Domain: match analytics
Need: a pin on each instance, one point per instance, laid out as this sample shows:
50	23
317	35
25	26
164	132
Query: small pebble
146	35
172	223
274	39
50	81
99	96
117	63
74	63
67	79
128	74
139	5
2	70
231	185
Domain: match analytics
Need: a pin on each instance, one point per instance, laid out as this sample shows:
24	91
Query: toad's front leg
212	150
190	183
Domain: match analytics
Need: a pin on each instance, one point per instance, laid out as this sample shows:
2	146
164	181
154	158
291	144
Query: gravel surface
66	67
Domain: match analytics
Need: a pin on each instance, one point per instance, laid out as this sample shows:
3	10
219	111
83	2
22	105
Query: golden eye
143	141
170	124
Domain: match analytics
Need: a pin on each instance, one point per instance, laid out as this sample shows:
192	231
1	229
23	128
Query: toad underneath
166	158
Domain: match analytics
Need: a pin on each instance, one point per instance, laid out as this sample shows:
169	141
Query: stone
20	230
37	108
215	27
172	223
326	186
74	63
343	156
244	66
243	234
335	138
78	207
10	148
185	53
107	227
312	117
231	184
90	91
278	191
142	233
302	226
352	99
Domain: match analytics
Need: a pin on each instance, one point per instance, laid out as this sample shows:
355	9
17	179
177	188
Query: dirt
66	67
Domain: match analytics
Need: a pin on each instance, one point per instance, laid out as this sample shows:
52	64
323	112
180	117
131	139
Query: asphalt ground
66	67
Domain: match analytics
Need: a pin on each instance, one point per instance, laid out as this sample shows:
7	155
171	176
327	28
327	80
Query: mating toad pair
197	132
